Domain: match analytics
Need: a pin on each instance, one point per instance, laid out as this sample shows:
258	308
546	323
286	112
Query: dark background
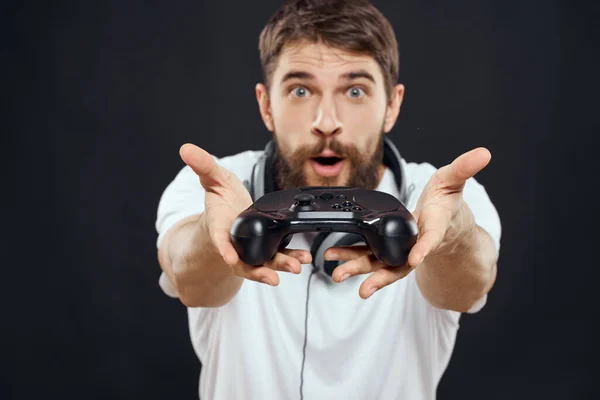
99	97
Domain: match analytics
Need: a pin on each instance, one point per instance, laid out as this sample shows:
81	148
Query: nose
326	122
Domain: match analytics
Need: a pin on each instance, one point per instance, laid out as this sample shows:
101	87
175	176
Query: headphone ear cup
262	179
324	241
317	253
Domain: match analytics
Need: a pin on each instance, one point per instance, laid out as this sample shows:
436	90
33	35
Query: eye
300	91
356	92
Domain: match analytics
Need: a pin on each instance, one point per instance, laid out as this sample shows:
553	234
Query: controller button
357	208
347	203
304	198
347	209
326	196
336	206
341	196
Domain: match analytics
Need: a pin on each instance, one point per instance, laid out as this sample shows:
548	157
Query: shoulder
418	173
241	163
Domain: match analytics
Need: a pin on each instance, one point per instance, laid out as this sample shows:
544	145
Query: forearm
193	265
460	274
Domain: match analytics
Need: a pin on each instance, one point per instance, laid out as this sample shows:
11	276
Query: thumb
204	165
464	167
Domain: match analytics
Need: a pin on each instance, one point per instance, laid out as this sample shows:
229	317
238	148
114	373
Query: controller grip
254	239
396	235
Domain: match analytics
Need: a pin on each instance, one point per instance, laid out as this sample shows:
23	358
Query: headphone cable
305	333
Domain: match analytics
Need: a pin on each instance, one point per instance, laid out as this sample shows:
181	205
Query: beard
364	169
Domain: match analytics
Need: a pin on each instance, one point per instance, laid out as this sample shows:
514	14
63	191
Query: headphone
262	181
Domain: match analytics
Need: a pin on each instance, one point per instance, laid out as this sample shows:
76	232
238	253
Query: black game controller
268	225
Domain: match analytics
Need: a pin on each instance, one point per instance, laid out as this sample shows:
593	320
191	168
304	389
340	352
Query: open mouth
327	166
329	161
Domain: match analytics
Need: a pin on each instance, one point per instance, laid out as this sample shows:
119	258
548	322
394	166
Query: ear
393	107
264	105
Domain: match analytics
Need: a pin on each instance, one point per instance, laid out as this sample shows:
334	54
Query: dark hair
351	25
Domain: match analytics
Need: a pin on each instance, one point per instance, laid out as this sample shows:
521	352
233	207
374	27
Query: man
280	331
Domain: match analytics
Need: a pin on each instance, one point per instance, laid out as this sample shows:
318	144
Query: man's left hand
443	220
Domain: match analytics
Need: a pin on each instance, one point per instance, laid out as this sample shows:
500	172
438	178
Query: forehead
321	59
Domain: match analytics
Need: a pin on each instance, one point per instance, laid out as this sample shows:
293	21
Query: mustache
333	145
289	166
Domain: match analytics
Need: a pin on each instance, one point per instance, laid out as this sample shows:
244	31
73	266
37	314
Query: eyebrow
358	74
347	76
297	75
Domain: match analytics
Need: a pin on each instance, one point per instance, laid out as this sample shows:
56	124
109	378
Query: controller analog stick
304	198
304	202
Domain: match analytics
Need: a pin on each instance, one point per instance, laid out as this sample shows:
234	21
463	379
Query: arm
463	271
195	268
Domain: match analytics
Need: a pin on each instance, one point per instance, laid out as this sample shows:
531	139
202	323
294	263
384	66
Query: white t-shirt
394	345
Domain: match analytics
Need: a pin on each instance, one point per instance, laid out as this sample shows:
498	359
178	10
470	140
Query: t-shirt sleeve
485	213
183	196
486	216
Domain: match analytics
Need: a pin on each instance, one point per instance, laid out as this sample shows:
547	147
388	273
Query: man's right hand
226	197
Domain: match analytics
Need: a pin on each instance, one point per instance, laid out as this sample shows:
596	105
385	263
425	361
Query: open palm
226	197
442	218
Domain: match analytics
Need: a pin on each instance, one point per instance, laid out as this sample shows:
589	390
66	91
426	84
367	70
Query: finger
285	263
261	274
346	253
288	260
433	228
361	265
464	167
382	278
221	239
303	256
204	165
267	272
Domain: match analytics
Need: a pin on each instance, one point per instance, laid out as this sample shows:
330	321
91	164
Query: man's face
328	110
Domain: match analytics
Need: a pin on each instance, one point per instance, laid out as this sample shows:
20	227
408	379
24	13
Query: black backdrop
99	97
